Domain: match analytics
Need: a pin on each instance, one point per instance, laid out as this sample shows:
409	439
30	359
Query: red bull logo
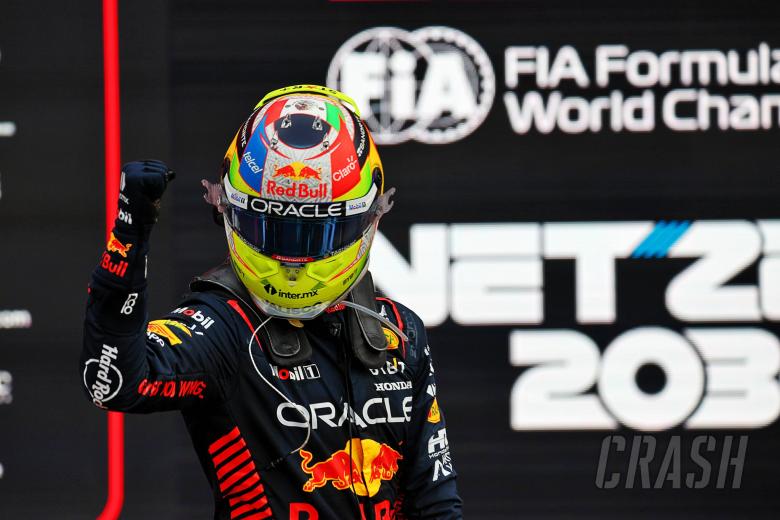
297	189
119	269
383	510
297	171
116	246
361	466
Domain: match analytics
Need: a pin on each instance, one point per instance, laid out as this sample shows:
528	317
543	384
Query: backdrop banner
586	219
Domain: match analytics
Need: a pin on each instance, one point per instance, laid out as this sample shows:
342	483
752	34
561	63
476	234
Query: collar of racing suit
288	345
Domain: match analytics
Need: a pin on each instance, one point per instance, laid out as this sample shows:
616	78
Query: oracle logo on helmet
292	209
434	85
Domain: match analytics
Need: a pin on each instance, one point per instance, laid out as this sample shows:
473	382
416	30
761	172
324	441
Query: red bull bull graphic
297	171
361	466
114	245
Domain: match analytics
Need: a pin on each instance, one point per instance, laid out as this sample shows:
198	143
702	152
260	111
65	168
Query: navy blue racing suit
378	445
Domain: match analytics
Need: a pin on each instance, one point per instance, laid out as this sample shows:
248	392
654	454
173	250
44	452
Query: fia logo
434	85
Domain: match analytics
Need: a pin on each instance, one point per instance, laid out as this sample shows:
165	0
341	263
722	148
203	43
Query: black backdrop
192	70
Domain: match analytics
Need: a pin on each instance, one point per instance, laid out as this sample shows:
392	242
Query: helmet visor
303	231
298	239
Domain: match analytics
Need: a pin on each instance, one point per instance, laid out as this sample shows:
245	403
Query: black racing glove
123	264
140	189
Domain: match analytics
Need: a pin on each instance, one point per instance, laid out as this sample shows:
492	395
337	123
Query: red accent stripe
248	507
240	311
238	257
248	483
225	439
274	111
238	475
236	446
112	142
259	516
395	311
233	464
247	496
242	484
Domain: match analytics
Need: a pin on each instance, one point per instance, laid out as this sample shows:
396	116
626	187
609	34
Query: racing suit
378	445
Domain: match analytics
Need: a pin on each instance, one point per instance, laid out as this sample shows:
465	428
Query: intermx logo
273	291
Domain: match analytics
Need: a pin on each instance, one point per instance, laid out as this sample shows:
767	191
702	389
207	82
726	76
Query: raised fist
140	188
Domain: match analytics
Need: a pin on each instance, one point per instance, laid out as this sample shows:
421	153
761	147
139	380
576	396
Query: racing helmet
302	191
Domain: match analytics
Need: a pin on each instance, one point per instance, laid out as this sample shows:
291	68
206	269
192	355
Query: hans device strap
288	345
368	341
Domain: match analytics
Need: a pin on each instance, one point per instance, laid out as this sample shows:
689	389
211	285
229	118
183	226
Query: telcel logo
434	85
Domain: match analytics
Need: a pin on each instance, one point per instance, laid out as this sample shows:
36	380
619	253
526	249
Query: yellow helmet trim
313	89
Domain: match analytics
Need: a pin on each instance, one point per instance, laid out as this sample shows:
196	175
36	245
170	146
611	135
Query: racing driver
305	394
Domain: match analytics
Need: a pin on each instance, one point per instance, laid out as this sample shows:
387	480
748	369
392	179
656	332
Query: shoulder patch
389	310
392	339
434	415
164	329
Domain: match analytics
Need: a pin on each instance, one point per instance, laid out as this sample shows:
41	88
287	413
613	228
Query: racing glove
142	184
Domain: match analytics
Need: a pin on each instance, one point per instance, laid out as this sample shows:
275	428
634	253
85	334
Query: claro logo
434	85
